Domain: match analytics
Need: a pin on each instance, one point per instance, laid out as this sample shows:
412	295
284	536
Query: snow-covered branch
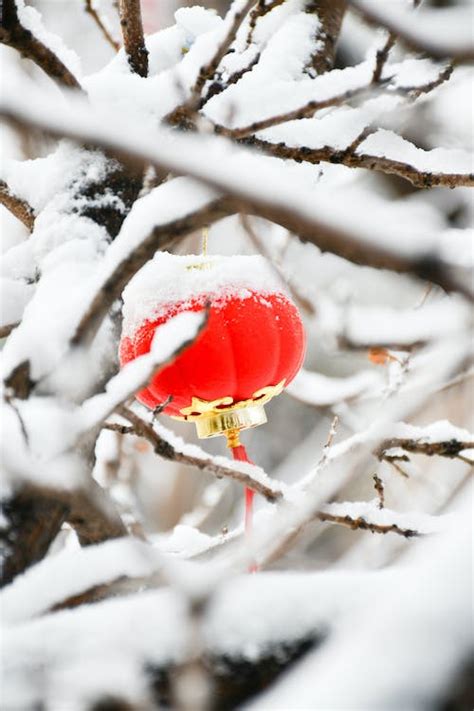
14	34
169	446
101	24
386	152
317	220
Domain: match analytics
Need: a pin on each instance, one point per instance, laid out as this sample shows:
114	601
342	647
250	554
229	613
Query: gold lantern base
230	420
226	417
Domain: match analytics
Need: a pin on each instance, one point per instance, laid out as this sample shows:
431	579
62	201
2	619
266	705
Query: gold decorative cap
219	417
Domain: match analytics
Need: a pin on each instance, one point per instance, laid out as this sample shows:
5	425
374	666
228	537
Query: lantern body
252	345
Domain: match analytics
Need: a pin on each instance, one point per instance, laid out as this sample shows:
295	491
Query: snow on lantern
251	348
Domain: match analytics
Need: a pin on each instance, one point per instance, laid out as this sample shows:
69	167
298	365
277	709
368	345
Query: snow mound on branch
171	279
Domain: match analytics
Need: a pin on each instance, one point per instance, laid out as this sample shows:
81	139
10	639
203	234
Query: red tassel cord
240	454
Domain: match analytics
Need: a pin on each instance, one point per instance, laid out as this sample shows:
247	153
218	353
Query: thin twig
297	295
382	56
360	523
379	488
305	111
90	9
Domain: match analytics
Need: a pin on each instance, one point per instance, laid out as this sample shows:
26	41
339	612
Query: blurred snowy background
355	618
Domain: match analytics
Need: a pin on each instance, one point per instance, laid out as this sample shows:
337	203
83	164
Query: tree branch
90	9
305	111
451	448
139	427
242	197
330	14
18	207
93	515
33	519
133	38
361	524
13	34
352	159
35	515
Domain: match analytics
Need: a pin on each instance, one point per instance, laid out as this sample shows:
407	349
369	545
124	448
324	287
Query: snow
14	295
39	181
254	101
387	144
321	390
338	129
170	279
407	665
288	50
440	431
68	574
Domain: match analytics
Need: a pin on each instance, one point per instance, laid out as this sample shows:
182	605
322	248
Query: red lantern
252	346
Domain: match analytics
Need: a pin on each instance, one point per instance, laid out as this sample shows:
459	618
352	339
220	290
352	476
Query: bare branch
451	448
360	523
382	56
13	34
133	38
139	427
90	9
303	302
18	207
